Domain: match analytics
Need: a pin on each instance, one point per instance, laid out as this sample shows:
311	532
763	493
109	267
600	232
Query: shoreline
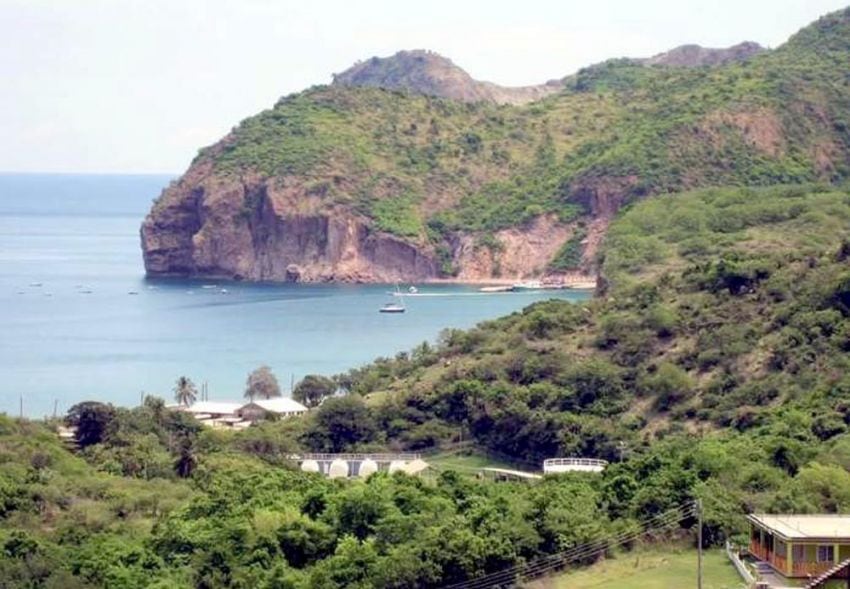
586	281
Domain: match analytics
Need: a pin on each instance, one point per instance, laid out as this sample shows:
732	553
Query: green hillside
713	367
619	130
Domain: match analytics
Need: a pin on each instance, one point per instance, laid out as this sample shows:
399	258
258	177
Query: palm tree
185	392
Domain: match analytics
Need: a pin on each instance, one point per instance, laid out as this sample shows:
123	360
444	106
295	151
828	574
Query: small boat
132	292
392	306
209	286
85	292
224	291
496	289
413	290
36	284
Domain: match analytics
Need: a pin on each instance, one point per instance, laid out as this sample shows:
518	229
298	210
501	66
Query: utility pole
22	405
699	543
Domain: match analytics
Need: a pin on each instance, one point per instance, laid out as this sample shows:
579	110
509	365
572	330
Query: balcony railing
780	563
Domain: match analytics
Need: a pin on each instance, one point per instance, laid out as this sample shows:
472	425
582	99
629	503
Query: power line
543	565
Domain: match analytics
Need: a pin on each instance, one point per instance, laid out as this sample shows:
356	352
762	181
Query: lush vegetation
714	366
426	168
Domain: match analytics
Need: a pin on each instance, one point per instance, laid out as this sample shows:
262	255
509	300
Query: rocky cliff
429	73
358	182
697	56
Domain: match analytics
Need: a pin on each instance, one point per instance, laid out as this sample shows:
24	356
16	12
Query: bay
79	320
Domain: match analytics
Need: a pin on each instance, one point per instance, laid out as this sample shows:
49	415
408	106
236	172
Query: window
798	553
826	553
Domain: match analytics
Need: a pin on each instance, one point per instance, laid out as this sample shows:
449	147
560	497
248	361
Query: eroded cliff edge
273	229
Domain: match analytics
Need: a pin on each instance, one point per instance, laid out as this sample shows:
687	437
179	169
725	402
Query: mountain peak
695	55
427	72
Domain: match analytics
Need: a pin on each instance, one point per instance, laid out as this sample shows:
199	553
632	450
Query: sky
127	86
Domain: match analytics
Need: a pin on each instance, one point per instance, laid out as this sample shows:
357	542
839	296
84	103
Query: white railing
739	565
407	457
574	462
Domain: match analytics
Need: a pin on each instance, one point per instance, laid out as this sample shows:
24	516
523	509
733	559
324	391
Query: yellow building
800	545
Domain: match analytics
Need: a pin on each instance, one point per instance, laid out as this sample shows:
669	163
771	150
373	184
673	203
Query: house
203	410
800	546
232	414
280	406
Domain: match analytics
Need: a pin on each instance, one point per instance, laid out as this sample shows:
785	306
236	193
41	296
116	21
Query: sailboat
392	306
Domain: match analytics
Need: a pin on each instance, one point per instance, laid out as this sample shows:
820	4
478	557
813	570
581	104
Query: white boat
496	288
528	285
392	306
413	290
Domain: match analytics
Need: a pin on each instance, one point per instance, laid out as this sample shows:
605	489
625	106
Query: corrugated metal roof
801	527
214	407
281	405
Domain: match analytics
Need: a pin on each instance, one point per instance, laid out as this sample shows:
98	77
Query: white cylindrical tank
310	466
338	469
367	468
397	465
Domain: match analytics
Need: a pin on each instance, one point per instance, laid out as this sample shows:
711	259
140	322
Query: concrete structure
310	466
338	469
361	465
367	468
561	465
800	546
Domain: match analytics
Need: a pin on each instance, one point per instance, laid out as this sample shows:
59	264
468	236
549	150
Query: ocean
79	320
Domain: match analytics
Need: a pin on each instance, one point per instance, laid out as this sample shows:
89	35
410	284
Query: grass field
464	463
651	570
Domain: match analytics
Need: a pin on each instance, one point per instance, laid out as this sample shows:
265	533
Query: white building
239	414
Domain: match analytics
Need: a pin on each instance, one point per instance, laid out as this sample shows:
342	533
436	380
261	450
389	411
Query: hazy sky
139	86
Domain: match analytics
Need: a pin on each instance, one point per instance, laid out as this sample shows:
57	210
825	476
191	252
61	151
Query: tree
185	392
91	420
262	384
186	461
341	422
313	389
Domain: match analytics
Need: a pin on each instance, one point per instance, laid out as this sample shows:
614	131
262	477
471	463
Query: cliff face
351	182
251	228
261	230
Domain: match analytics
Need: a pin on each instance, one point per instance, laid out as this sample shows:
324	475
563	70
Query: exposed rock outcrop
429	73
697	56
252	229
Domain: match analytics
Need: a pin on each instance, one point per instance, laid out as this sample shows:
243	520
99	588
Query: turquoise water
69	257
